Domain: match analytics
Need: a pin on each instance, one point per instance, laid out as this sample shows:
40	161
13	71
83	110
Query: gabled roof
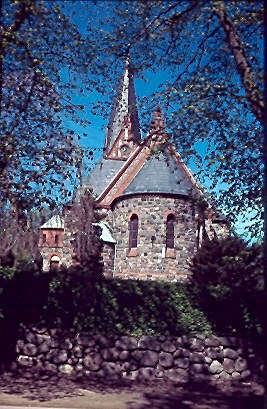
161	173
103	173
56	222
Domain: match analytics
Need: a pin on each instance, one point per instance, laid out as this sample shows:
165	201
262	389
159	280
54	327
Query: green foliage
228	285
127	306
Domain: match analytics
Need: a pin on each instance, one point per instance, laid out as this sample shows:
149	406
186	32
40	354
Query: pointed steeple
157	123
124	112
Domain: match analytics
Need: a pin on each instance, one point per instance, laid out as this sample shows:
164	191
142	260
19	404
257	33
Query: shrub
126	306
227	282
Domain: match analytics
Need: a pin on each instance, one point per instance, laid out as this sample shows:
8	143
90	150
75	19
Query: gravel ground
44	390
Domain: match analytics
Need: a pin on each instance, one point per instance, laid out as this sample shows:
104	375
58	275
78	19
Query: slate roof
106	234
102	174
56	222
161	174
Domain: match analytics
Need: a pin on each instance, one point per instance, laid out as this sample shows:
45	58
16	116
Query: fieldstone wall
150	260
177	359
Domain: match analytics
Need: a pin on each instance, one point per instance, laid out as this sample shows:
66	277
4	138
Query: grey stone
230	353
228	365
132	375
215	367
196	344
59	356
166	359
25	361
44	347
182	363
224	375
92	362
103	341
126	342
146	374
110	354
30	337
149	342
236	375
196	357
77	351
85	339
149	358
66	369
177	375
124	355
168	346
30	349
67	344
214	353
212	341
181	352
129	366
19	346
50	367
197	368
245	374
111	368
137	354
240	364
40	338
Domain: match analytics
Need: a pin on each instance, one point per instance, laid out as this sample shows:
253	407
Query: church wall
150	260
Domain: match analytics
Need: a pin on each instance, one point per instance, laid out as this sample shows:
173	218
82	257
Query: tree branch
243	66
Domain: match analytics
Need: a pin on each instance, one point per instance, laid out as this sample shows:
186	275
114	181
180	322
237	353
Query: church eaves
124	107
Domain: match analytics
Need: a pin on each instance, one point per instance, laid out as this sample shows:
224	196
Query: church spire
157	123
124	110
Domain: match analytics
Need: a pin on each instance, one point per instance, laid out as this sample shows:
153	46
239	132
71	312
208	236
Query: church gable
152	168
124	144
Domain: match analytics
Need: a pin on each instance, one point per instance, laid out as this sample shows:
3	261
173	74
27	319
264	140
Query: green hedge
122	306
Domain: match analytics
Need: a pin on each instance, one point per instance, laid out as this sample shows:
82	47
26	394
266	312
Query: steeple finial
124	106
157	122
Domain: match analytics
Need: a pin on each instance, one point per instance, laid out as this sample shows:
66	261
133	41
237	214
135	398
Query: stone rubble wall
145	358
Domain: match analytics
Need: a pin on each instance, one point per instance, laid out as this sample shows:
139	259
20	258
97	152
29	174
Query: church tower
123	130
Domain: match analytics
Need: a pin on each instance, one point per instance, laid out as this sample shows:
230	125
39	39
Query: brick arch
54	264
168	213
132	213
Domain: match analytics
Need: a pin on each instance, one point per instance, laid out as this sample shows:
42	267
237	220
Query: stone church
153	218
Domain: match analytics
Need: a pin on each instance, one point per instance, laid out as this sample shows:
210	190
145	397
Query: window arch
133	231
170	231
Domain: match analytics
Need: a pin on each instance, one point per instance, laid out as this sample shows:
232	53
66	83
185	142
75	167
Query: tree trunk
243	67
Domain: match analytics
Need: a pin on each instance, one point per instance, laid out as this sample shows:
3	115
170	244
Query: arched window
54	263
170	231
133	231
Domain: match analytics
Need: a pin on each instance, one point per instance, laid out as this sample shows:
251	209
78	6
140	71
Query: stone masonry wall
145	358
150	261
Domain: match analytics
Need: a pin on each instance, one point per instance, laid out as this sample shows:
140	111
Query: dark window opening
170	231
44	238
133	231
56	239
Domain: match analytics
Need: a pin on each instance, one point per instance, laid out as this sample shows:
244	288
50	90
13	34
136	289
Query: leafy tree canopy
210	56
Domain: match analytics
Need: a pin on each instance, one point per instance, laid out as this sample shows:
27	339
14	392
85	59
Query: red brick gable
124	144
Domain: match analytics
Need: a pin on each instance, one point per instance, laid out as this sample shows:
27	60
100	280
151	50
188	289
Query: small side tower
51	243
